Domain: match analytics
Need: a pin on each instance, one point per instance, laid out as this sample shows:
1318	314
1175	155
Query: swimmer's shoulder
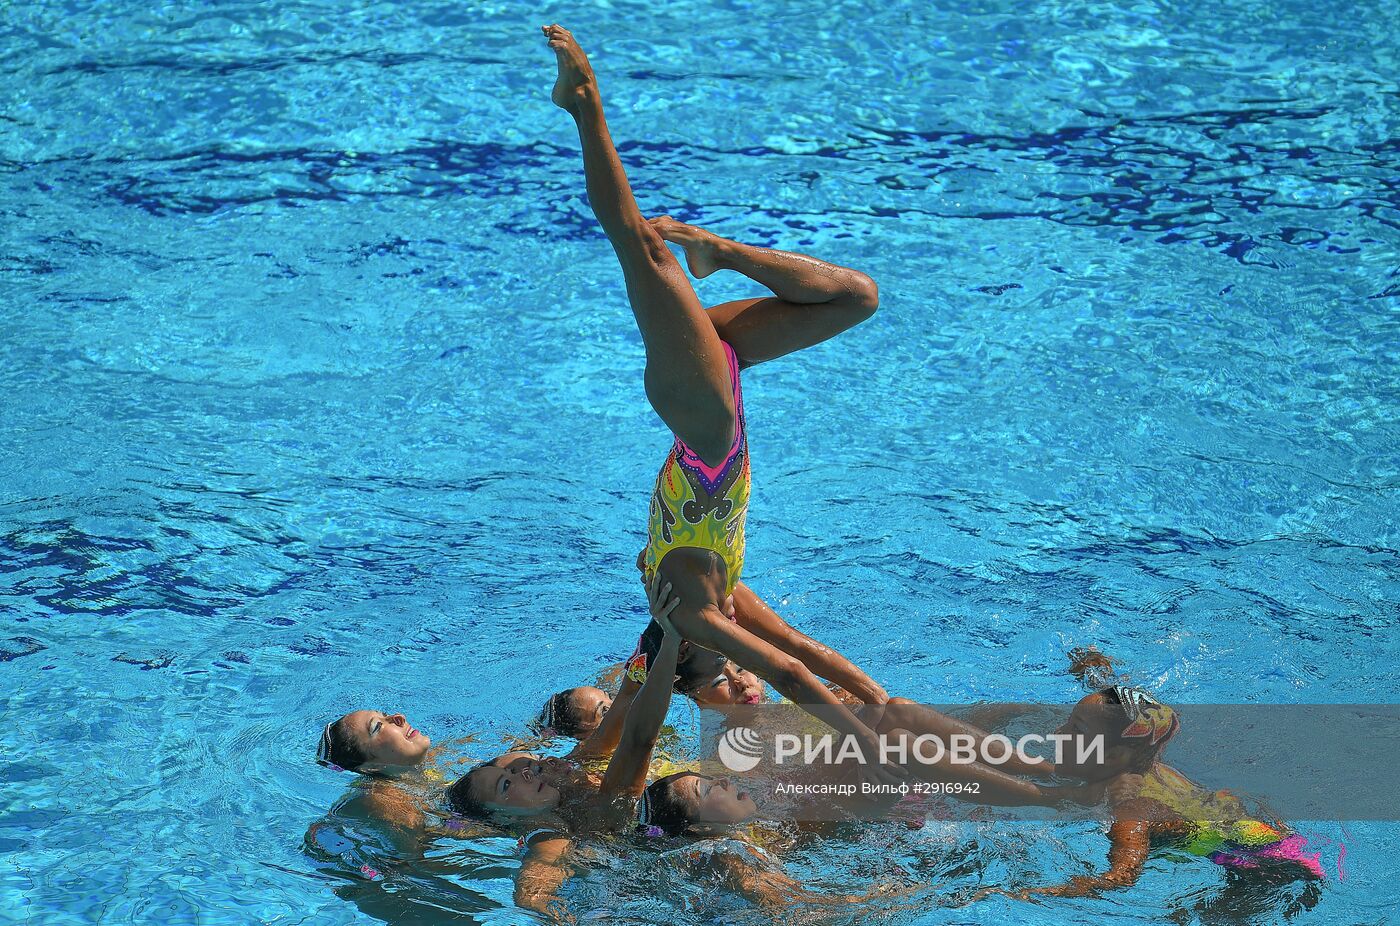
387	802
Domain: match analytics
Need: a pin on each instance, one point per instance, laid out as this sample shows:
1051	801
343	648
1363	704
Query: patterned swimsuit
695	505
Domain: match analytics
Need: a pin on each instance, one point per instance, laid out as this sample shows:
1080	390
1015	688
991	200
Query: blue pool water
321	391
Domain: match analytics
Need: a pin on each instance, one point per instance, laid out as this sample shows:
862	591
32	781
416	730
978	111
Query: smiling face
515	784
731	685
388	741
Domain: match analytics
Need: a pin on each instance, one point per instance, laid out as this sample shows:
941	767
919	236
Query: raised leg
812	300
687	376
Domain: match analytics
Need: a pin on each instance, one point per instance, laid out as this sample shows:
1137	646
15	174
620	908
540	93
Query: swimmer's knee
897	712
865	296
651	245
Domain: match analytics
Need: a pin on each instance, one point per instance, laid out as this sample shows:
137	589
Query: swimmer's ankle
583	100
727	253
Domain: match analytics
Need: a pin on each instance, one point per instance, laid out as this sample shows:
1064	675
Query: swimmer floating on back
557	798
710	680
698	506
574	712
373	743
554	796
1154	803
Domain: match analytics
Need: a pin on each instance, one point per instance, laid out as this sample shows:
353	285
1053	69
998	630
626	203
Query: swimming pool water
321	391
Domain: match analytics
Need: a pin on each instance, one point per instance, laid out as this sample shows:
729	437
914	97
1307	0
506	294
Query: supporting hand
661	603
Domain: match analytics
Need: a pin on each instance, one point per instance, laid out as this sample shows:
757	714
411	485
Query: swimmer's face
1095	717
516	784
696	665
556	771
731	686
389	740
587	706
712	801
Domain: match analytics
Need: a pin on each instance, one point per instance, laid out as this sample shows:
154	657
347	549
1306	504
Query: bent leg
687	375
755	616
697	578
812	300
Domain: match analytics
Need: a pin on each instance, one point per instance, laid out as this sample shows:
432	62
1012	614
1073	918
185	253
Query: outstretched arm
812	300
1127	854
602	741
627	771
773	889
754	615
1130	838
708	627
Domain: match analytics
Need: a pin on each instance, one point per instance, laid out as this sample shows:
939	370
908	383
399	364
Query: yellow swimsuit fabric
1218	818
696	505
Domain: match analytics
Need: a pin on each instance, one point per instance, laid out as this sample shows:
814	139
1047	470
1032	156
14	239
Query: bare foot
701	247
576	79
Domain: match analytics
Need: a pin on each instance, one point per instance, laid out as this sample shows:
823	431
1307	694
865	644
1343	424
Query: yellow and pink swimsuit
697	505
702	506
1222	831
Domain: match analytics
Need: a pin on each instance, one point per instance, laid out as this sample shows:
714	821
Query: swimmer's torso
1216	825
695	505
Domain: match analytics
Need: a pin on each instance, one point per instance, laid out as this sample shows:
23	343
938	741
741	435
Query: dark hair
1093	669
460	799
698	666
339	748
663	808
559	714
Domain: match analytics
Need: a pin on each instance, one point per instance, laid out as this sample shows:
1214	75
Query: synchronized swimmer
713	640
